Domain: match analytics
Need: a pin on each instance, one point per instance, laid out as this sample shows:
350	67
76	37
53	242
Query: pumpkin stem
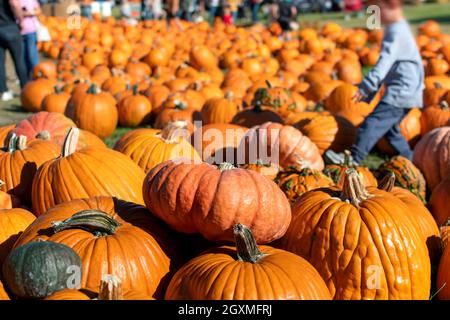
226	166
134	89
17	143
246	247
43	135
70	142
180	105
444	106
173	131
2	183
229	95
347	158
388	182
353	189
437	85
110	288
269	85
97	222
58	89
93	89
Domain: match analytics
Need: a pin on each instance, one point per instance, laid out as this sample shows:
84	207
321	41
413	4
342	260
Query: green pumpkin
38	269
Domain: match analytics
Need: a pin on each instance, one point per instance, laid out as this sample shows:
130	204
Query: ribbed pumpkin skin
18	168
199	198
147	148
434	117
328	131
219	110
292	144
86	173
378	234
217	275
407	175
34	92
12	223
295	182
8	201
3	294
4	132
36	270
432	156
137	252
439	201
96	113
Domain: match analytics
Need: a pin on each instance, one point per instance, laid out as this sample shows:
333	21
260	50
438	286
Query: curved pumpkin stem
388	182
110	288
347	158
93	89
43	135
94	221
135	90
173	131
70	142
226	166
246	247
353	189
17	143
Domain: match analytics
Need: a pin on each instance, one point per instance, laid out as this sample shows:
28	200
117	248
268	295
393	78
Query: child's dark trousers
382	122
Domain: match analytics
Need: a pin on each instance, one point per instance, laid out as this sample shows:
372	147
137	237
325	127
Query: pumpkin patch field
219	189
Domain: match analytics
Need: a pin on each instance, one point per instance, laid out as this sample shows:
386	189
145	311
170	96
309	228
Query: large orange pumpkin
432	156
85	173
210	200
12	223
435	117
94	111
219	110
377	253
246	272
110	236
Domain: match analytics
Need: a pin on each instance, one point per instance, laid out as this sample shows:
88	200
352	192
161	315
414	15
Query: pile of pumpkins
161	216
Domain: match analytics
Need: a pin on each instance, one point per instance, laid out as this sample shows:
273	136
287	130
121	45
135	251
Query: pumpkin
34	92
134	110
377	253
8	201
56	102
407	175
12	223
349	71
250	199
219	110
337	172
270	170
94	111
432	156
179	112
139	248
157	94
44	69
201	57
110	289
85	173
419	215
438	201
3	294
434	95
256	115
430	28
296	180
443	273
410	128
19	163
5	132
285	145
149	147
247	272
327	131
340	102
435	117
38	269
437	67
319	91
219	142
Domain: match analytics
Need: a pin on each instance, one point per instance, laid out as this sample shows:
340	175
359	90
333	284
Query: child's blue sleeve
373	80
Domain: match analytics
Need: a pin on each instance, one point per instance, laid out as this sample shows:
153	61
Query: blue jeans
382	122
255	11
234	14
212	14
86	11
30	51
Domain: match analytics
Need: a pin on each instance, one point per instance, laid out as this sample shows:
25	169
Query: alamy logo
74	17
374	20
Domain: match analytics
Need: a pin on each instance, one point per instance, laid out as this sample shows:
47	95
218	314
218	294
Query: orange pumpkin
219	110
435	117
134	110
34	92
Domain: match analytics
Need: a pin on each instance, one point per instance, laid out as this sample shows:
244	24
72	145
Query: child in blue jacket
400	70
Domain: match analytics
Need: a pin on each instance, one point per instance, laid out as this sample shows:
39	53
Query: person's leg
3	86
14	44
33	54
374	127
234	14
255	11
398	141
